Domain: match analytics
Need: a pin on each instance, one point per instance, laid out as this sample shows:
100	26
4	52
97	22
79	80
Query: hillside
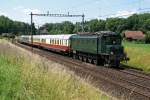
139	55
25	76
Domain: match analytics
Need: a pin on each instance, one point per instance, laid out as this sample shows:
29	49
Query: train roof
95	34
100	33
62	36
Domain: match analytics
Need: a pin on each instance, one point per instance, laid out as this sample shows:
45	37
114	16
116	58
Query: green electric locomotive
101	48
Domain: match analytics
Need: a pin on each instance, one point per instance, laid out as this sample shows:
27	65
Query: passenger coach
59	43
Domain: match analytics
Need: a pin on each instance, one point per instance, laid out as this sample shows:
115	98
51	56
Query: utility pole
55	15
31	27
83	22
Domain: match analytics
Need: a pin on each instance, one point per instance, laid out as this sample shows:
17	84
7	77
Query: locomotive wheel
84	59
117	64
92	61
74	56
95	61
89	60
80	58
77	57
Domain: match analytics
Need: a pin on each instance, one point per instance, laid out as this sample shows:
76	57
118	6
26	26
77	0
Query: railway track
122	84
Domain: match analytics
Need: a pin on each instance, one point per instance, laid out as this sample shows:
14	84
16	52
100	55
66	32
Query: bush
147	38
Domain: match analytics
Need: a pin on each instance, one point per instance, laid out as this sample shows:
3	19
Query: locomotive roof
100	34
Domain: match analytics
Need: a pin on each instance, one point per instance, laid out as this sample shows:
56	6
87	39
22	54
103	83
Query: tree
133	22
9	26
68	27
146	25
96	25
116	24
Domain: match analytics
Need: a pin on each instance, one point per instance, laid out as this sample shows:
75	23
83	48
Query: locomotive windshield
113	40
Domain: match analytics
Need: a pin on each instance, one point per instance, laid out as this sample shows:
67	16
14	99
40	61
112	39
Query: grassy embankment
139	55
25	76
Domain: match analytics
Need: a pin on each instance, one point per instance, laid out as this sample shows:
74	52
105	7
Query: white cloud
18	8
3	13
28	11
124	13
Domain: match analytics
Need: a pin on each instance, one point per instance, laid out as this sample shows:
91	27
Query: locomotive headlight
114	42
111	53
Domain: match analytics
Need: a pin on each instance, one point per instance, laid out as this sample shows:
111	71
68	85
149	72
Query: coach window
66	42
50	41
62	42
59	42
43	40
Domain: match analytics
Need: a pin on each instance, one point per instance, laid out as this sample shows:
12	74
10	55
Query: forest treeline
12	27
135	22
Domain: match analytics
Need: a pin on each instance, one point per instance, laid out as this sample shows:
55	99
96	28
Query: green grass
24	76
139	55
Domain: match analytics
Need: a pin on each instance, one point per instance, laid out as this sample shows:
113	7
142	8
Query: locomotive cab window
112	40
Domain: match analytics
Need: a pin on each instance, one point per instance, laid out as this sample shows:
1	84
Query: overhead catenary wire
108	15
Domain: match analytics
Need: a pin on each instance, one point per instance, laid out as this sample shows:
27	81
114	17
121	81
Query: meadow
139	55
25	76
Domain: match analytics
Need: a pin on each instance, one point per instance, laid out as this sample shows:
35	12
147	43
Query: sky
20	9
